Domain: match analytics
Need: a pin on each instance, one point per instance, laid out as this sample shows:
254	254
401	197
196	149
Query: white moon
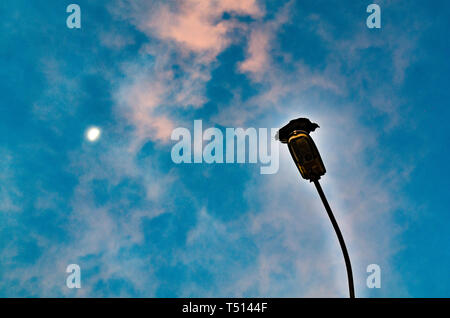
93	134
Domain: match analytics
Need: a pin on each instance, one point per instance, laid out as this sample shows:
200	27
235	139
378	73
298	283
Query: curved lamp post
308	161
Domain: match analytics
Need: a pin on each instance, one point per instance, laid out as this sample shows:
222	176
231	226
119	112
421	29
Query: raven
296	124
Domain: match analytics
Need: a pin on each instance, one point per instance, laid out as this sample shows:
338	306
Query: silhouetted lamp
308	161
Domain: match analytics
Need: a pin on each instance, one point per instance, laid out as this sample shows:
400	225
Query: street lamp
308	161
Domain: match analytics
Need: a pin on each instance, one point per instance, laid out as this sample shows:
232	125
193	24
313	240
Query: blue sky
141	226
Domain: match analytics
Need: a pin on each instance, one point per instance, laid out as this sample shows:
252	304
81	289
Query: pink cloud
257	53
192	34
258	61
139	104
194	25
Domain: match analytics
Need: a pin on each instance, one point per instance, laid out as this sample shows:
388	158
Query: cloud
60	88
258	61
147	98
103	223
196	25
258	57
10	195
116	40
139	102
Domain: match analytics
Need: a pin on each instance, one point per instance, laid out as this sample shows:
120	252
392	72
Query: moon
93	133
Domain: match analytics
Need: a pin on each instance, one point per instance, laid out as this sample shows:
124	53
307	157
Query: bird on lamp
296	124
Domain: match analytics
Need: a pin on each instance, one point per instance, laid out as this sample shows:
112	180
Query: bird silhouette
296	124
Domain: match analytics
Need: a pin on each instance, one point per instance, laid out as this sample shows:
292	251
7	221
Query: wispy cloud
191	34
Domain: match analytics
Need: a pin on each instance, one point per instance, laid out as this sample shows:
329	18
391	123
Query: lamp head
302	148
